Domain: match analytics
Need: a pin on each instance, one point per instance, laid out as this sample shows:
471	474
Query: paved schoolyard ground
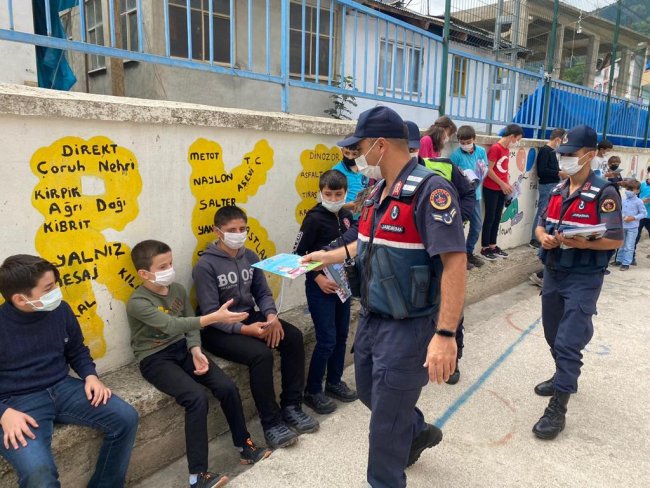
487	417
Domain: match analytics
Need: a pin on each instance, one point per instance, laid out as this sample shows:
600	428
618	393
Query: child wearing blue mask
323	224
633	211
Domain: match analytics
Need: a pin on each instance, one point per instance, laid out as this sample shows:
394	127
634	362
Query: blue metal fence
335	46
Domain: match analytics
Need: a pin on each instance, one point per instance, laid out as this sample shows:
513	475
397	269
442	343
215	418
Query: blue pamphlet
286	265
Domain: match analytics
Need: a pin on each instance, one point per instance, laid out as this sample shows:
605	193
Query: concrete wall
160	170
17	61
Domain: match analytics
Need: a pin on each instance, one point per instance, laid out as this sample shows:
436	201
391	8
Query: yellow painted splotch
314	162
71	237
215	187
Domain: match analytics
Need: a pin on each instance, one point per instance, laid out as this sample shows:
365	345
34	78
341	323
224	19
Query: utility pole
612	68
445	59
550	66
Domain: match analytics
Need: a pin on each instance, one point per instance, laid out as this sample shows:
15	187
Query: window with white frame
200	30
460	69
317	39
94	32
399	67
129	25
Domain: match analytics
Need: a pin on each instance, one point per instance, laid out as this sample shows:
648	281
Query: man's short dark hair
333	179
227	214
557	133
20	274
466	132
143	253
513	130
614	160
605	144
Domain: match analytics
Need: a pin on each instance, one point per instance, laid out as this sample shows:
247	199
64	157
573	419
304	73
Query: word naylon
212	179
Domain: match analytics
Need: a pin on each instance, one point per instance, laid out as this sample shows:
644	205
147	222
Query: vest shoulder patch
608	205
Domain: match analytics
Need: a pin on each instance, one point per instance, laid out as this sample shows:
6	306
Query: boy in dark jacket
224	272
323	224
40	340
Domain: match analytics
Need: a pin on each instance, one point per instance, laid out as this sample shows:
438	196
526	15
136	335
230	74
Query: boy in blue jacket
633	211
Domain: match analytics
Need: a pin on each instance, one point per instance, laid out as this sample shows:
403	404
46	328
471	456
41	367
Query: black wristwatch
445	333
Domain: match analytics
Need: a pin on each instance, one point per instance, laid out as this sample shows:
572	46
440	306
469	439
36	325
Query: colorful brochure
286	265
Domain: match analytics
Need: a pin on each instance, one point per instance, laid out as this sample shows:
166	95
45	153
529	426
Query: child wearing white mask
323	224
224	272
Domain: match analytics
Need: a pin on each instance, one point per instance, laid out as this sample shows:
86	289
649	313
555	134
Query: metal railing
335	46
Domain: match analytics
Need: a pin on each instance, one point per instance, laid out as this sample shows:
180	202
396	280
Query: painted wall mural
313	162
215	187
84	188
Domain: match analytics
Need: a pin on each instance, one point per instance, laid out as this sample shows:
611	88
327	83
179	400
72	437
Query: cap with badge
377	122
577	138
414	134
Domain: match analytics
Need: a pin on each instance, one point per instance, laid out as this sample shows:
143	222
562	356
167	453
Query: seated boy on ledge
166	342
40	340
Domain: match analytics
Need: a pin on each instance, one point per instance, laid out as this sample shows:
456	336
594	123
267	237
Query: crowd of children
237	318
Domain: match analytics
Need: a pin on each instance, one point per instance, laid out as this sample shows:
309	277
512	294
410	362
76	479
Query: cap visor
414	144
349	141
567	149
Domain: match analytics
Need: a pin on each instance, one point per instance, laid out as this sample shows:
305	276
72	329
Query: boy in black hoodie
224	272
323	224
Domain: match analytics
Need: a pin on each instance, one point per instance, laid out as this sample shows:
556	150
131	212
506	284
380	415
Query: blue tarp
53	69
626	121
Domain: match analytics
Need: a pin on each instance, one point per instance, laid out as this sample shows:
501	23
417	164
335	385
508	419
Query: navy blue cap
577	138
414	134
377	122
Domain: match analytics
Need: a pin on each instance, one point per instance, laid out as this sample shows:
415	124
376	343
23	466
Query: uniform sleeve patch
446	217
608	205
440	199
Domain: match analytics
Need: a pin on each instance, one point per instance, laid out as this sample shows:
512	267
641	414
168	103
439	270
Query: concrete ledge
161	439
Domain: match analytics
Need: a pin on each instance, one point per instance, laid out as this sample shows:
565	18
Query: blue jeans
66	403
331	320
544	193
626	253
475	224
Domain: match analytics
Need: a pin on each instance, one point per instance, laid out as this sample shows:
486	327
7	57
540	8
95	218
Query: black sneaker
319	403
488	254
500	253
455	376
534	244
616	263
624	267
298	420
341	392
280	436
250	454
210	480
633	263
475	260
470	266
429	437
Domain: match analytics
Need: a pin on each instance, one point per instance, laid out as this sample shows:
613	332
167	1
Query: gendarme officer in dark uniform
573	268
411	216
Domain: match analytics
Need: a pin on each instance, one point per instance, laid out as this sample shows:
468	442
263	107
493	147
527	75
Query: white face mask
513	145
164	278
332	206
365	169
50	301
467	147
570	164
234	240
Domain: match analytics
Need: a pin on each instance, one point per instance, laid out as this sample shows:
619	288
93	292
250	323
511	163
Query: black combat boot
553	420
546	388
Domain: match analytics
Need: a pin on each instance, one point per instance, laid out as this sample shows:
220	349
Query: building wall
159	171
17	61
